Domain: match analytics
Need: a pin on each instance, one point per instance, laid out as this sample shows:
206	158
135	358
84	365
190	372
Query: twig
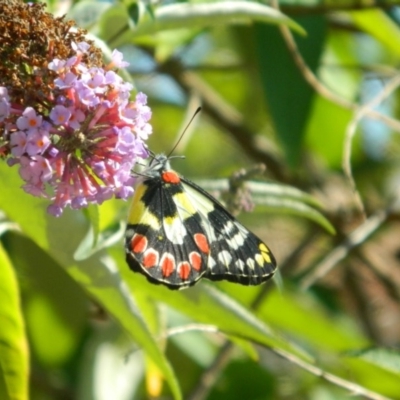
336	380
363	111
178	330
319	87
378	266
370	225
226	116
292	259
212	374
354	239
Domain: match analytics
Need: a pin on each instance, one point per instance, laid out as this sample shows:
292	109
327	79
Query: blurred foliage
308	91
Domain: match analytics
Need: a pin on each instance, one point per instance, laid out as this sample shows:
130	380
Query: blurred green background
311	93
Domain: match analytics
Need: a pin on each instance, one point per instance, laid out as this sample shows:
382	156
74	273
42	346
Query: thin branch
225	115
292	259
361	294
355	389
230	120
390	280
370	225
212	374
362	112
319	87
354	239
178	330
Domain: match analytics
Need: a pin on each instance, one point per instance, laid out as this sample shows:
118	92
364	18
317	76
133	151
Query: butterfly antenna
184	131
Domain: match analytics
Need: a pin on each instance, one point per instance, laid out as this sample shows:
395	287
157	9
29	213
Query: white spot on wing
229	227
240	264
237	241
224	258
211	262
250	263
174	229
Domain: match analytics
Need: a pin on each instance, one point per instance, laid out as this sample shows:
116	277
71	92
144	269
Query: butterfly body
177	233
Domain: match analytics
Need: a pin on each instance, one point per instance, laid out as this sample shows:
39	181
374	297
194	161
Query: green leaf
373	376
55	306
87	13
326	131
244	379
379	25
288	200
276	198
328	121
288	95
387	359
298	208
14	355
134	11
109	368
207	304
20	206
87	247
184	15
307	319
53	340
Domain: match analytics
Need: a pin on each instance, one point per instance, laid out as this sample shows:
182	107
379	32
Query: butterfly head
159	163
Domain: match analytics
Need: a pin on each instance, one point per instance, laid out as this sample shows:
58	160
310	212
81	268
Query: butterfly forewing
178	233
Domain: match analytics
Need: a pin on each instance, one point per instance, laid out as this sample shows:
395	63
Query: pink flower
18	143
116	60
82	147
38	141
29	119
60	115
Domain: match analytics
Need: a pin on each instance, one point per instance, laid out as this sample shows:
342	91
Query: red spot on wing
184	270
195	260
150	258
167	265
202	242
170	177
139	243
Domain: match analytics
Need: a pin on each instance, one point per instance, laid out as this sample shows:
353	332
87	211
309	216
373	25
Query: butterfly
177	233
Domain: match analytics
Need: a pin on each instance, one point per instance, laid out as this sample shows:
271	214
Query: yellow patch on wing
260	259
139	213
184	205
193	196
265	252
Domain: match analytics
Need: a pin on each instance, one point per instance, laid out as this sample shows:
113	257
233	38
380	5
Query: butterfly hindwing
237	255
178	233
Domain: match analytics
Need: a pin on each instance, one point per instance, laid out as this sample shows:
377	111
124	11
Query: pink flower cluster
82	149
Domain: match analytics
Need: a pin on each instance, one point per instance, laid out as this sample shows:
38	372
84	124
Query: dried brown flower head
29	39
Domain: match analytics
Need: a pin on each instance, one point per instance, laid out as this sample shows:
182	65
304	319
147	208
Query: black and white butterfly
177	233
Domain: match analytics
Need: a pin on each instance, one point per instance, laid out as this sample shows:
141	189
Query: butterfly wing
236	255
165	238
177	233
